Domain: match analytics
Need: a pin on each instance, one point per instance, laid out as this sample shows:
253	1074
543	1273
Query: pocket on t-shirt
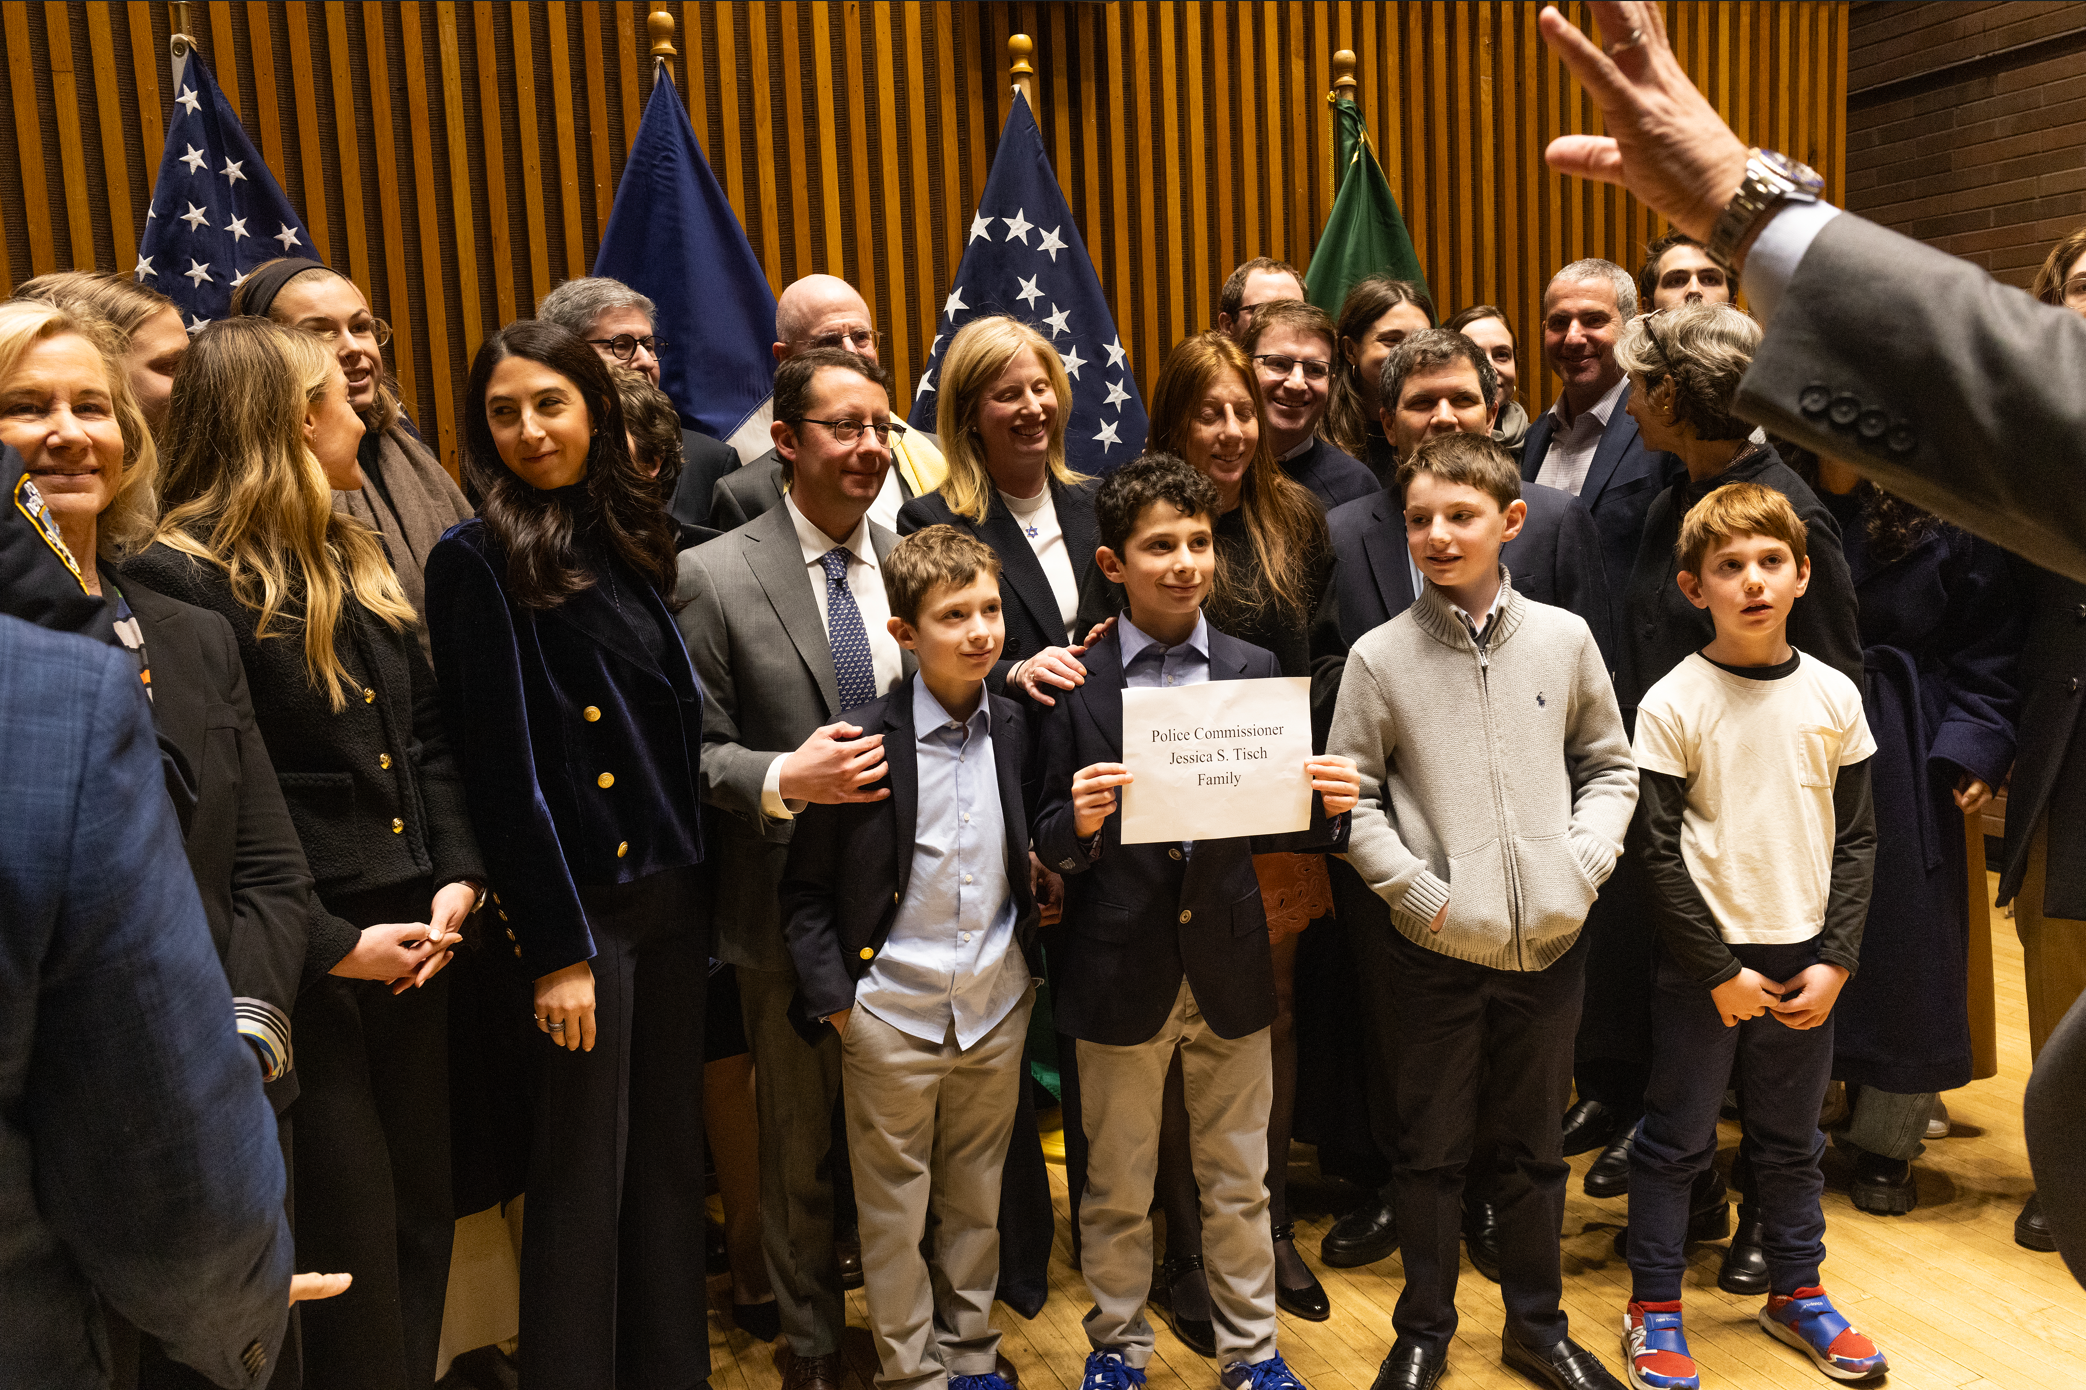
1818	754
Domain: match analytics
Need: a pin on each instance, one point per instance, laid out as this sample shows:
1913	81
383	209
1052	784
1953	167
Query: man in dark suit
786	620
138	1160
617	321
1586	443
824	311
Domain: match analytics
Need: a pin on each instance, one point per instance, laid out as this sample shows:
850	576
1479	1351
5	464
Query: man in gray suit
824	311
787	624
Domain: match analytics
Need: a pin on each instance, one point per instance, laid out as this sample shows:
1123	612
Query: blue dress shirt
951	960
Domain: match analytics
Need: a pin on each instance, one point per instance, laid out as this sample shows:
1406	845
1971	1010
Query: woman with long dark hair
577	721
1378	314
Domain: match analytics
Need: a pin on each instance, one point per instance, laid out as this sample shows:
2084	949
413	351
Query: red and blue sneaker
1807	1321
1656	1350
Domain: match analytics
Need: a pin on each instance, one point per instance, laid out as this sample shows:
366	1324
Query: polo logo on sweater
1541	703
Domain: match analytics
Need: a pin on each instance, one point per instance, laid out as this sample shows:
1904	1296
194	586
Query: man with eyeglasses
1254	285
786	621
616	321
1291	344
825	312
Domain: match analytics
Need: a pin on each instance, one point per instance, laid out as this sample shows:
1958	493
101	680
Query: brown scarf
423	502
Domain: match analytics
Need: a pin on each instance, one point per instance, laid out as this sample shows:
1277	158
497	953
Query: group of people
630	804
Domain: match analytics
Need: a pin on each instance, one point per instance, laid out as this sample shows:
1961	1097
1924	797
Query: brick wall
1966	125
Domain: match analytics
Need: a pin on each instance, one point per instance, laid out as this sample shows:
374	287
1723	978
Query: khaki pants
927	1131
2053	949
1229	1085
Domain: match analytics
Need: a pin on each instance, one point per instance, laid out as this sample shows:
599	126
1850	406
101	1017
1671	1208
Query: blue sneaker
1271	1374
1807	1321
1106	1370
992	1380
1656	1350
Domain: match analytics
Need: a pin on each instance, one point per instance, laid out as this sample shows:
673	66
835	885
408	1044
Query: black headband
265	284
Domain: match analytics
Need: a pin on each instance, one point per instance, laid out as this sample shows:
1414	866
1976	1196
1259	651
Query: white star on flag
195	326
981	226
1116	353
195	159
288	237
197	271
1116	395
1107	436
239	279
935	346
237	227
234	170
1029	293
1051	242
145	268
195	217
953	303
1019	227
1073	362
1059	321
926	382
189	100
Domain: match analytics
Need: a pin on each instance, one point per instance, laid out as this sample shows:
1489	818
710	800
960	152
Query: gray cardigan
1496	779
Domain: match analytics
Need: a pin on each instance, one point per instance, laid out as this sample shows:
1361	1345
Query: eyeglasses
1315	369
860	341
2075	289
374	328
1653	334
848	431
624	346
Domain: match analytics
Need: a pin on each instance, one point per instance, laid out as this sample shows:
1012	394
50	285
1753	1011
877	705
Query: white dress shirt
1037	518
1771	263
1573	446
865	580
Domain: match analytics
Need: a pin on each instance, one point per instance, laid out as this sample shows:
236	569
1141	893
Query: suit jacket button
894	897
1174	853
605	780
1899	440
2072	685
254	1358
1815	398
510	934
622	848
517	953
590	713
398	827
1186	914
384	761
1844	409
2082	612
868	953
369	696
1872	424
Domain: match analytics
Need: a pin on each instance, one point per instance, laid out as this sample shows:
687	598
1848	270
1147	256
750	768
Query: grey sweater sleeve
1365	729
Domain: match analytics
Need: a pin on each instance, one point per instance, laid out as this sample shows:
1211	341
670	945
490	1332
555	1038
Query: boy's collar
1438	616
1133	639
930	715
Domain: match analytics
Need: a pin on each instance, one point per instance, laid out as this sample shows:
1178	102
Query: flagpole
660	25
180	45
1018	49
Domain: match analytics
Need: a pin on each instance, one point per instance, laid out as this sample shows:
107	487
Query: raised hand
1094	796
1338	784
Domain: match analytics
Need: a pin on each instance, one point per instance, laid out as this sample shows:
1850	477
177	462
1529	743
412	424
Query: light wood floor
1945	1291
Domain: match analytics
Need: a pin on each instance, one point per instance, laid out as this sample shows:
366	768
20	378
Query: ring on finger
1634	39
557	1026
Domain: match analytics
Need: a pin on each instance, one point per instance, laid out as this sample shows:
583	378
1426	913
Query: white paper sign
1216	760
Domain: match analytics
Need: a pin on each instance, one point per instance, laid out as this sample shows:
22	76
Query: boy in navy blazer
1165	946
912	925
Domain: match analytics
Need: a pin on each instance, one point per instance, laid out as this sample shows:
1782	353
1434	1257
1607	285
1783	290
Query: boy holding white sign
1164	946
1497	784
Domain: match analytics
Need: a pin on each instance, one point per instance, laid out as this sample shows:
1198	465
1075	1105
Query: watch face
1806	179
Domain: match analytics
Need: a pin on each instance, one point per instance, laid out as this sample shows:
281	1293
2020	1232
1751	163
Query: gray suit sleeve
729	774
726	514
1948	388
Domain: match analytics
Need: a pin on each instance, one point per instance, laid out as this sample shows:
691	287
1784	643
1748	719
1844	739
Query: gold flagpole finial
1019	47
1343	76
660	25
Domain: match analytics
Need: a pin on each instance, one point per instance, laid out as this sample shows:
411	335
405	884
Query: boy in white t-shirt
1759	839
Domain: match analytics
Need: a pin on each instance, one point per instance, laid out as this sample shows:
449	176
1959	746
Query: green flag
1364	235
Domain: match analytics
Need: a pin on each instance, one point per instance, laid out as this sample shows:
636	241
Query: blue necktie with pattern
852	666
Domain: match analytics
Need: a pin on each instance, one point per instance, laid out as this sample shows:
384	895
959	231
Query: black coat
578	751
1941	636
2050	767
849	865
1028	602
1140	918
703	462
1331	473
745	492
372	790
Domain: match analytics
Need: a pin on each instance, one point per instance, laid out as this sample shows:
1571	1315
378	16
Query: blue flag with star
216	211
1024	258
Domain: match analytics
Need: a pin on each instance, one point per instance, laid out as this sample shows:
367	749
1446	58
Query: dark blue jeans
1781	1076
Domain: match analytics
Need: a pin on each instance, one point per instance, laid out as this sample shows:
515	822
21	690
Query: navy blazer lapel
1009	738
1617	439
1227	657
1536	445
590	614
881	542
902	761
1020	569
1390	561
769	543
1103	692
1075	517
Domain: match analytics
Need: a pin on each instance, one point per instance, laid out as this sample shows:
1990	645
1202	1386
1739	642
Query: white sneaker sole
1789	1336
1629	1362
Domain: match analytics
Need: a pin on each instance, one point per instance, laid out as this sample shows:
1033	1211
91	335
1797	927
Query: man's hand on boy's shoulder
1748	994
1094	796
835	765
1809	995
1337	781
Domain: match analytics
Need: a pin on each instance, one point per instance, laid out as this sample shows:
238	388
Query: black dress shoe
1709	1213
761	1321
1590	1125
1610	1174
2031	1230
1410	1366
1567	1365
1362	1237
1481	1237
1882	1185
847	1253
1198	1335
1744	1269
1308	1301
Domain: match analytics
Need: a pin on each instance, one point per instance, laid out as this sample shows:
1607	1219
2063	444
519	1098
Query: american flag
216	211
1024	258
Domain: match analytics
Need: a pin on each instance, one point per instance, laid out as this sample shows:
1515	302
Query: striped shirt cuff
267	1029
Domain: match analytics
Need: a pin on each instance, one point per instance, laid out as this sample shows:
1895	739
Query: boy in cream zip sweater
1497	784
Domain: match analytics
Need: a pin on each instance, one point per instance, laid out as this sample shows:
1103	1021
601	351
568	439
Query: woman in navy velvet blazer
577	720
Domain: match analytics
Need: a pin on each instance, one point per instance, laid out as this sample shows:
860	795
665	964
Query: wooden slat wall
461	158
